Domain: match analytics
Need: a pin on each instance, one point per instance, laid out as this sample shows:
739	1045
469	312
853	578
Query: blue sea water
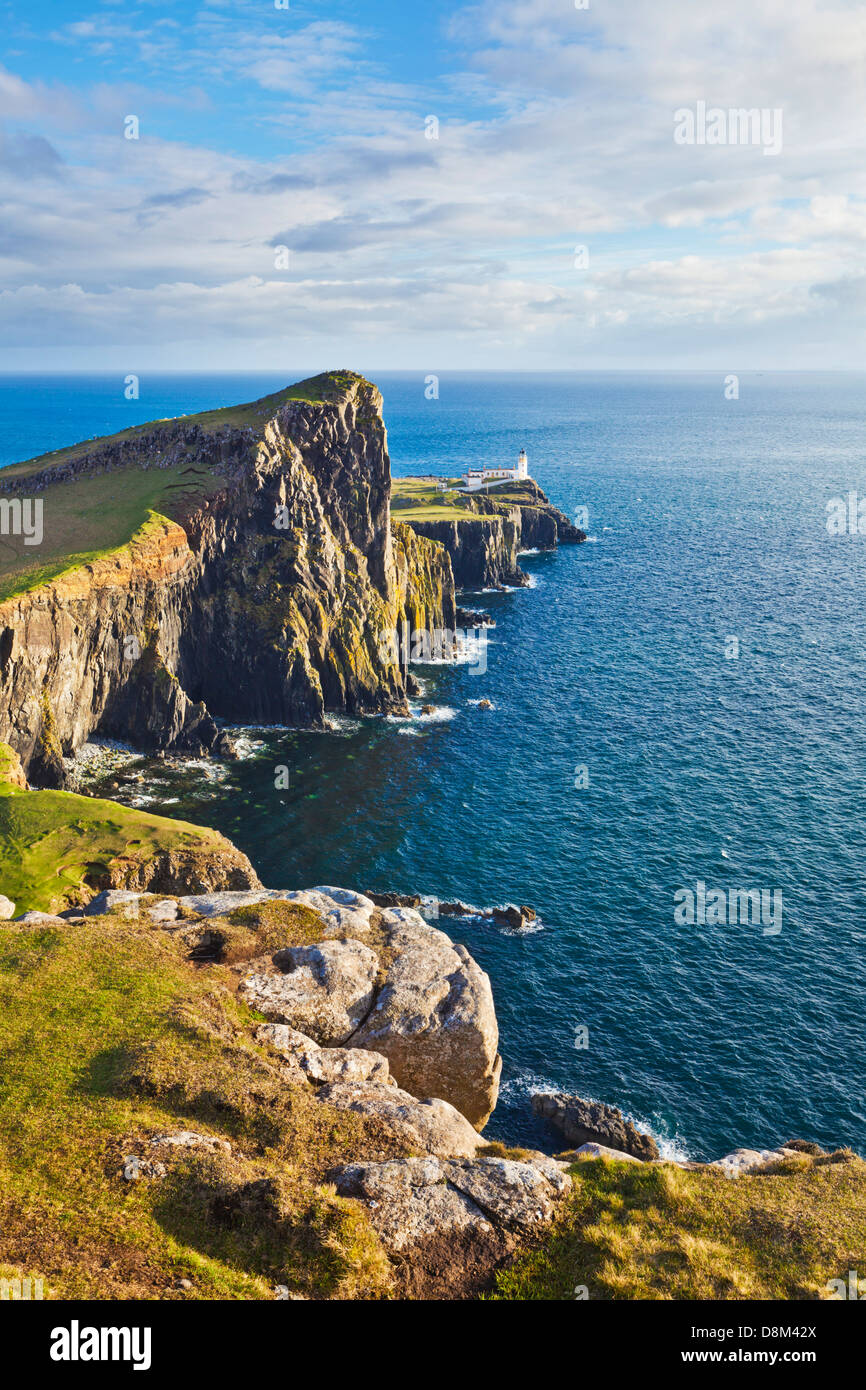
707	521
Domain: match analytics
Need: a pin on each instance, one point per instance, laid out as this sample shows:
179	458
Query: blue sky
284	202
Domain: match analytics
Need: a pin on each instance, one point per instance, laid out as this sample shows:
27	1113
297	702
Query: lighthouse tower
522	466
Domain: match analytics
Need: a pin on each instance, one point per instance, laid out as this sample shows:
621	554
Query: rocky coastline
262	601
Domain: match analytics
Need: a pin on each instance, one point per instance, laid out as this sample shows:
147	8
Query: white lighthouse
483	477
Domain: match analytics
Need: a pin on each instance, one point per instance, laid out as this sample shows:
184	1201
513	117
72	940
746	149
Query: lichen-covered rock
590	1122
434	1018
34	919
411	1199
342	912
120	900
429	1126
324	1064
325	991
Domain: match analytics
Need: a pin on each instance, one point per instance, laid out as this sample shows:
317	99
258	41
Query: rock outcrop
588	1122
262	602
325	990
434	1017
485	553
383	982
450	1221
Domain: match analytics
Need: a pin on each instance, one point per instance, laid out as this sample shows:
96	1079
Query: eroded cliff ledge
487	531
255	586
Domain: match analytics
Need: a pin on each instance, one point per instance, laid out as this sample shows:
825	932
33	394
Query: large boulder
7	908
589	1122
430	1126
434	1018
325	992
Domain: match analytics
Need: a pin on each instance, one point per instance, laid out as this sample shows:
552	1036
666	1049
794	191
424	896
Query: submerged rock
589	1122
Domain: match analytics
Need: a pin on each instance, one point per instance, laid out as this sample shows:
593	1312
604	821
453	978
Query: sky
430	185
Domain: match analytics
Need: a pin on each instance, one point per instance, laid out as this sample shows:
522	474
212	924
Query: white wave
525	1085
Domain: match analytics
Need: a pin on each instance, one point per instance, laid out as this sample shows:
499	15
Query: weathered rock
135	1167
161	912
599	1151
434	1018
33	919
589	1122
411	1199
430	1126
342	911
7	908
132	905
395	899
456	909
511	916
326	990
324	1064
741	1161
190	1139
211	866
408	1200
114	900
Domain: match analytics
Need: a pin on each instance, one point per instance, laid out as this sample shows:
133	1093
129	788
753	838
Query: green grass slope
649	1231
56	846
110	1034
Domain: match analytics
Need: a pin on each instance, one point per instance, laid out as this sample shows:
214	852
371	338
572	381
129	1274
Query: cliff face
484	552
265	602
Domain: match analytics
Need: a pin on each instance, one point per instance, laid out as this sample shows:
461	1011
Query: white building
477	478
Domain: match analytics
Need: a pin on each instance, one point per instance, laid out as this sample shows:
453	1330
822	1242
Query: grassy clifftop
112	1034
95	515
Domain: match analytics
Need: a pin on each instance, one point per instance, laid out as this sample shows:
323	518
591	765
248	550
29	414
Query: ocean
679	702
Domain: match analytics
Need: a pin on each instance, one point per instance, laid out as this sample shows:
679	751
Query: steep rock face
266	602
485	552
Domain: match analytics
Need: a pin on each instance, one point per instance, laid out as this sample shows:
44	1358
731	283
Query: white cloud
401	244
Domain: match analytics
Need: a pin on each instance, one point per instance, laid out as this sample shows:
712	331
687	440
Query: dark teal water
707	519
